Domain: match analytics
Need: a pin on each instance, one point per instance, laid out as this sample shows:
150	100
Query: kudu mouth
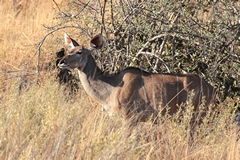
65	64
62	64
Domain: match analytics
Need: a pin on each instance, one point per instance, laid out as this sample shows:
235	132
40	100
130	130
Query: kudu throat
94	82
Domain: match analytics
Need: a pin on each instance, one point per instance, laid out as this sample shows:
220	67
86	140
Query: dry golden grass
20	35
39	124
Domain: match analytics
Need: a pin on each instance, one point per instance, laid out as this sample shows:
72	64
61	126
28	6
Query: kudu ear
70	43
96	42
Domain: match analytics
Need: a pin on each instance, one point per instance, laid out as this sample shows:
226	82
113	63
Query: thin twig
152	54
126	18
165	39
161	50
38	51
60	9
85	5
150	40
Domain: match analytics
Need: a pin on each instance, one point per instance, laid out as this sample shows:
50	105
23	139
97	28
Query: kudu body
133	92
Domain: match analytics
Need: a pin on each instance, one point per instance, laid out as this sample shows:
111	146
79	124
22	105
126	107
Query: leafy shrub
199	37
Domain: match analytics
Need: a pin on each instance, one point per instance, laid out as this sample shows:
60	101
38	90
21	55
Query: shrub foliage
199	37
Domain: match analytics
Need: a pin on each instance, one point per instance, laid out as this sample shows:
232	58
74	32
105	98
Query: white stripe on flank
177	88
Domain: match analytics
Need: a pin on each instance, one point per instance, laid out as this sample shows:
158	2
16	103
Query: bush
199	37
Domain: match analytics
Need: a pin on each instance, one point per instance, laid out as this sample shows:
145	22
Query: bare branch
149	53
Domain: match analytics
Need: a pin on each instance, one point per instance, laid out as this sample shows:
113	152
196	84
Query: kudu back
134	93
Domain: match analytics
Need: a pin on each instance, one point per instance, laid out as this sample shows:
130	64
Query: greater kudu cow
134	93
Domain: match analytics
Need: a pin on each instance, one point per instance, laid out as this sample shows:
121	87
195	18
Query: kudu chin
134	93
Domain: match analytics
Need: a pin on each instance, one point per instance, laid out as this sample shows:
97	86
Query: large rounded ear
70	43
96	42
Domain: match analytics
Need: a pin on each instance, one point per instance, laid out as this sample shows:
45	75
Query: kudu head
77	56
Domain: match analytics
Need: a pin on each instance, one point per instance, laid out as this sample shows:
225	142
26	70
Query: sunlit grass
38	122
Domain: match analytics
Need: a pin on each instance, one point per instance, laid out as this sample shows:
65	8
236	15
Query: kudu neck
91	69
94	82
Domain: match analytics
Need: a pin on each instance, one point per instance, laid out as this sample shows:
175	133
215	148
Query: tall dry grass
20	32
39	123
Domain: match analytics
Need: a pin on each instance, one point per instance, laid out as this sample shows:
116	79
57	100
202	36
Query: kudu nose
59	62
62	63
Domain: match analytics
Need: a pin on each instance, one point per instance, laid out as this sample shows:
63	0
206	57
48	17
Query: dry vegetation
38	123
